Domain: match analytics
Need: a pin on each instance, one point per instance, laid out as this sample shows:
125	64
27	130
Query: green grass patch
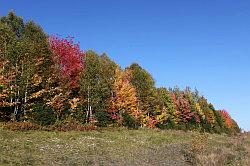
105	147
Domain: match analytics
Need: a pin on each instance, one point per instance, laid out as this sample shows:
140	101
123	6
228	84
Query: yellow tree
124	100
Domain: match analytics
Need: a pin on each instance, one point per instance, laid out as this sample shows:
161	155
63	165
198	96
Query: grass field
122	147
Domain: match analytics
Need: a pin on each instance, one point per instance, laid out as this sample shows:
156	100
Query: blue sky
202	44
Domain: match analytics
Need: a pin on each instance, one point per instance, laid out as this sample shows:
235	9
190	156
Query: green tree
145	88
27	53
7	38
96	83
15	23
210	121
167	116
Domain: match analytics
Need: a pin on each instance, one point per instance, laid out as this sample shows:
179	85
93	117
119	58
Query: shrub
129	121
21	126
44	115
70	125
103	119
79	114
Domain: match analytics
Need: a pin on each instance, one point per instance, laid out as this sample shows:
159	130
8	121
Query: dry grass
217	150
119	147
246	144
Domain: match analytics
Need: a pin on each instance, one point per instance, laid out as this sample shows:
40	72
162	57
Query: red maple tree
69	58
183	107
227	119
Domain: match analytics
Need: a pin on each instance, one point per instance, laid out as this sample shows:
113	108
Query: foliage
96	83
166	107
124	100
130	121
183	107
103	119
50	81
149	122
69	59
59	104
145	88
227	119
43	115
25	60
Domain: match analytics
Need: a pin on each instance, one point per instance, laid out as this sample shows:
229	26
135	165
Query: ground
122	147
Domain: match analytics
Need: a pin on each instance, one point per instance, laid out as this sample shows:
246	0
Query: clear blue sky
196	43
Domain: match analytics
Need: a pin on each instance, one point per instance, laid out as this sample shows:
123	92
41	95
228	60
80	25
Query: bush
162	126
70	125
79	114
129	122
44	115
103	119
5	114
21	126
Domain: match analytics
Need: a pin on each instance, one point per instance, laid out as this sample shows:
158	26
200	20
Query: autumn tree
69	58
198	115
226	118
182	107
68	63
124	102
210	120
27	53
6	102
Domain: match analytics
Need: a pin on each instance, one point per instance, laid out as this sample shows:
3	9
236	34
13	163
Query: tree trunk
25	97
90	112
16	95
11	98
88	109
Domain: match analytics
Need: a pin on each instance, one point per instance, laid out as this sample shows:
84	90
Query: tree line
47	79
